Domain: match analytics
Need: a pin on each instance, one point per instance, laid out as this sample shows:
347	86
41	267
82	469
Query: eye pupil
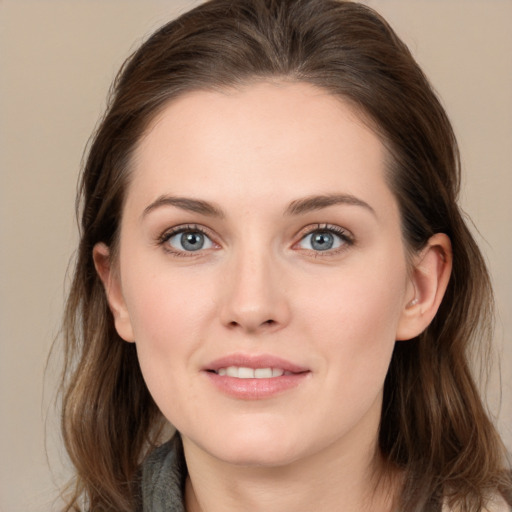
192	241
322	241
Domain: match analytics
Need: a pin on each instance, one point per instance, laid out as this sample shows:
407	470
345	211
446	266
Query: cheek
361	298
356	318
164	311
166	317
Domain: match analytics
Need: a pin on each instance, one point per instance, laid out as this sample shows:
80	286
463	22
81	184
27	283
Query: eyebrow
185	203
297	207
318	202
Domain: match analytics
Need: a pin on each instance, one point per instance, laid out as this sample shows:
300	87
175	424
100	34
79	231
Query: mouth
255	377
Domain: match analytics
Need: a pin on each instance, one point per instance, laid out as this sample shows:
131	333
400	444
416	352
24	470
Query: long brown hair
434	426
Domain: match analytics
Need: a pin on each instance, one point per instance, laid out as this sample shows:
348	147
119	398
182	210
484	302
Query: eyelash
345	236
342	234
167	235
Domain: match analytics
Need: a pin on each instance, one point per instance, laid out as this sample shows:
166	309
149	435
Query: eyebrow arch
185	203
312	203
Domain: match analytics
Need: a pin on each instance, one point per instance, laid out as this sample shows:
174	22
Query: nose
254	297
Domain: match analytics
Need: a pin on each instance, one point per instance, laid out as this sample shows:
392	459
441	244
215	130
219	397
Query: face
262	273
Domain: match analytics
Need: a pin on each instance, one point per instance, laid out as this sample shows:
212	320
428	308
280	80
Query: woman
272	260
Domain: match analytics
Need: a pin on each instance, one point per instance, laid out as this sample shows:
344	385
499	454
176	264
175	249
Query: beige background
57	59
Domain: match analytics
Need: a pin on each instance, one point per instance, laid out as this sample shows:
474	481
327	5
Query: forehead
263	140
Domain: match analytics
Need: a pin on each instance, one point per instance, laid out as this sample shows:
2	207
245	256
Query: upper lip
255	361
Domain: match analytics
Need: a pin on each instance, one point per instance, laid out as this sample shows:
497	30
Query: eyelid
167	234
345	235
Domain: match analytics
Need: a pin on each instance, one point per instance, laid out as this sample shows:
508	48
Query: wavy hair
434	426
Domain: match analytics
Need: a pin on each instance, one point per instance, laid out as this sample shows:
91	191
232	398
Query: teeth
232	371
245	373
241	372
263	373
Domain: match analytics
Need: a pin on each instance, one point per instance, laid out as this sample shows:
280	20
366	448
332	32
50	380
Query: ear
111	282
427	284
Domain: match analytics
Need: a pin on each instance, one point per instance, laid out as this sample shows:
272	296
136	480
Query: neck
348	475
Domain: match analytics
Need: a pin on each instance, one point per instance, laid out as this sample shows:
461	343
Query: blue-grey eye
190	241
321	240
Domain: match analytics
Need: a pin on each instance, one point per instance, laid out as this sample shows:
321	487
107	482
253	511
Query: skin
260	287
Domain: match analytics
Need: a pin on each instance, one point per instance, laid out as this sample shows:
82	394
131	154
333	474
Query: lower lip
256	389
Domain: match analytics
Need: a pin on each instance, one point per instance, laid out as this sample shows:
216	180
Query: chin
253	447
258	457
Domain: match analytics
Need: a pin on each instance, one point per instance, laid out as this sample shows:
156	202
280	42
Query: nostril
251	324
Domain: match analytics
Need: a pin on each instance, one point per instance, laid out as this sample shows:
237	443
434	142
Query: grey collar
163	478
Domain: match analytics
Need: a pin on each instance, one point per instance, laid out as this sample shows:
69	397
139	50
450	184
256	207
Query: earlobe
111	283
428	282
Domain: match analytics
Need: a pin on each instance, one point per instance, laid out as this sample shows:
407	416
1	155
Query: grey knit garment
163	477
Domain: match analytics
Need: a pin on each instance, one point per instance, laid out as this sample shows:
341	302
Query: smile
255	377
242	372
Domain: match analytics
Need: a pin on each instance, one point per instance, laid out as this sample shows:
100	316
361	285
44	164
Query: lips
254	377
